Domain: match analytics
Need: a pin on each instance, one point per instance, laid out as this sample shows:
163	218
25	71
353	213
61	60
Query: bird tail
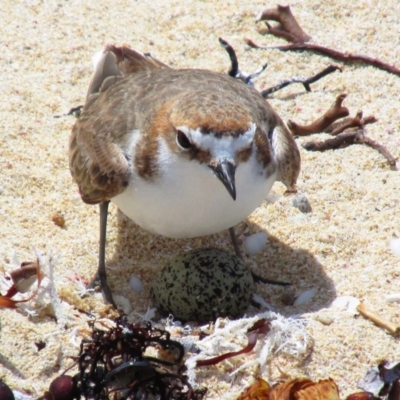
114	62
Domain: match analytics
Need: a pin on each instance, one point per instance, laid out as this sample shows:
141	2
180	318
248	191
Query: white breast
187	200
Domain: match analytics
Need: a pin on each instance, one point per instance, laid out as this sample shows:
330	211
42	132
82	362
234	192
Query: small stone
58	219
324	318
136	284
301	202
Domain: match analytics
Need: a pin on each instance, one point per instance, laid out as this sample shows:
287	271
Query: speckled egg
202	285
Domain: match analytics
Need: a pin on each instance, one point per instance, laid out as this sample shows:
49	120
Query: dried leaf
362	396
257	391
305	389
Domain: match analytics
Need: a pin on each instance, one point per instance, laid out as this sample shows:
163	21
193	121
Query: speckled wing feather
287	156
97	160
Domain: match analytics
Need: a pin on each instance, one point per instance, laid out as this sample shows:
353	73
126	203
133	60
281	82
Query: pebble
255	244
58	219
324	318
301	202
136	284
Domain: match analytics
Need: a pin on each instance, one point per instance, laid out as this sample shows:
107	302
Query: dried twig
321	124
378	320
348	138
306	82
292	32
326	123
235	71
344	138
288	27
356	122
232	56
335	54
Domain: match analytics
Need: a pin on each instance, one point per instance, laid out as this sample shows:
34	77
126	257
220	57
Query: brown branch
344	138
235	72
357	122
278	31
288	27
336	55
377	319
382	149
348	138
232	56
306	82
334	113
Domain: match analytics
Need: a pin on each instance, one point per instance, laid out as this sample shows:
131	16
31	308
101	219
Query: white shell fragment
395	246
254	244
393	298
305	297
346	303
136	284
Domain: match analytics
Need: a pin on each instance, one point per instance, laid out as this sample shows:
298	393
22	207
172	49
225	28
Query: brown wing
97	159
287	155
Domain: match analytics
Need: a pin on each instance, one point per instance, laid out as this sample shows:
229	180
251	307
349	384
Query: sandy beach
341	248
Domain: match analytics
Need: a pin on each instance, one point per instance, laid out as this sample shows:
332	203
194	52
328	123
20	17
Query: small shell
395	246
393	298
136	284
254	244
305	297
346	303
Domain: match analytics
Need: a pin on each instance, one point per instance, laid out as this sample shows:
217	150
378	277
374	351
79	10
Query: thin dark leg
101	275
235	243
257	278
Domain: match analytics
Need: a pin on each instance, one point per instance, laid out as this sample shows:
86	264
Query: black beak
225	172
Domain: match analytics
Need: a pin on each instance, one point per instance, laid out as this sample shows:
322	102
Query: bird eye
183	141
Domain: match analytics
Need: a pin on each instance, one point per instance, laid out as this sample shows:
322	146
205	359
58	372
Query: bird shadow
141	254
279	261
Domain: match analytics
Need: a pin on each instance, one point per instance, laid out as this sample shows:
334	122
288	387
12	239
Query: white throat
188	200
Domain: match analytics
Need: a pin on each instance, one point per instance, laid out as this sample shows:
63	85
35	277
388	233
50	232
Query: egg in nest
203	284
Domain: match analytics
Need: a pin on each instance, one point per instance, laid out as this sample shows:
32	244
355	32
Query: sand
340	249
